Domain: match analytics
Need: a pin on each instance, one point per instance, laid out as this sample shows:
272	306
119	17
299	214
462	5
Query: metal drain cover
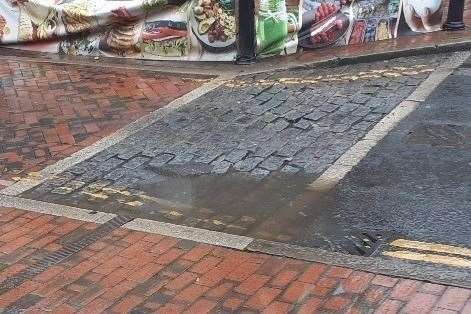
366	243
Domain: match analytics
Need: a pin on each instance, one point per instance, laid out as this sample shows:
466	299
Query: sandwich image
165	38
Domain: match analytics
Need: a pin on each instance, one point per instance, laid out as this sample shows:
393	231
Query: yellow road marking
433	247
391	72
431	258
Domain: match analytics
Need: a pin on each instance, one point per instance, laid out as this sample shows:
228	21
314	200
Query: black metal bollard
454	19
246	34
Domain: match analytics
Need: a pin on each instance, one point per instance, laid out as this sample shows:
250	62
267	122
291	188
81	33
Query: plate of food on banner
165	38
326	25
214	24
123	36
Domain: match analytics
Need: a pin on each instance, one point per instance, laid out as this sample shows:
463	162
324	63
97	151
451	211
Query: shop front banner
205	30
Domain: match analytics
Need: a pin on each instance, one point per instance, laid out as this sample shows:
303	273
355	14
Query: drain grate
366	243
66	251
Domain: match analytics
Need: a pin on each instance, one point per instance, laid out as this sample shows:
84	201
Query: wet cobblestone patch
239	158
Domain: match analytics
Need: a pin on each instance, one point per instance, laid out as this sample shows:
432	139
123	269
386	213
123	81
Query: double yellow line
430	252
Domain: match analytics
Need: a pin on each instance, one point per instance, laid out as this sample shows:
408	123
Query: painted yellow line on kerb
431	258
432	247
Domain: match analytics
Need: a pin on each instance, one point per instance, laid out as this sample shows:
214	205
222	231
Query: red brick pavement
130	271
49	111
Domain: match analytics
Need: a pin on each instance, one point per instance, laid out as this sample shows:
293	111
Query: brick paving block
49	273
220	291
171	308
127	303
277	307
115	277
284	278
197	253
97	305
310	306
11	246
454	298
262	298
201	306
213	277
243	271
324	286
389	307
375	294
145	272
467	308
164	245
336	303
191	293
357	282
169	256
252	284
338	272
205	265
404	289
432	288
65	309
181	281
297	292
313	273
80	269
384	281
272	266
232	304
420	302
442	311
135	248
119	290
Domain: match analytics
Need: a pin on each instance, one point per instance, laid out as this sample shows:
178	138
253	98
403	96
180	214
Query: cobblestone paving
238	159
136	272
48	112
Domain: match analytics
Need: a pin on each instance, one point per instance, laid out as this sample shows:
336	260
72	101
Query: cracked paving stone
181	159
109	164
288	169
315	115
272	163
289	150
208	157
264	97
269	117
298	113
161	160
116	174
259	174
135	162
248	164
329	107
236	155
303	124
278	125
221	167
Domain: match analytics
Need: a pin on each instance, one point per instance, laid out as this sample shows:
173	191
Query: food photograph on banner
350	22
206	30
149	29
